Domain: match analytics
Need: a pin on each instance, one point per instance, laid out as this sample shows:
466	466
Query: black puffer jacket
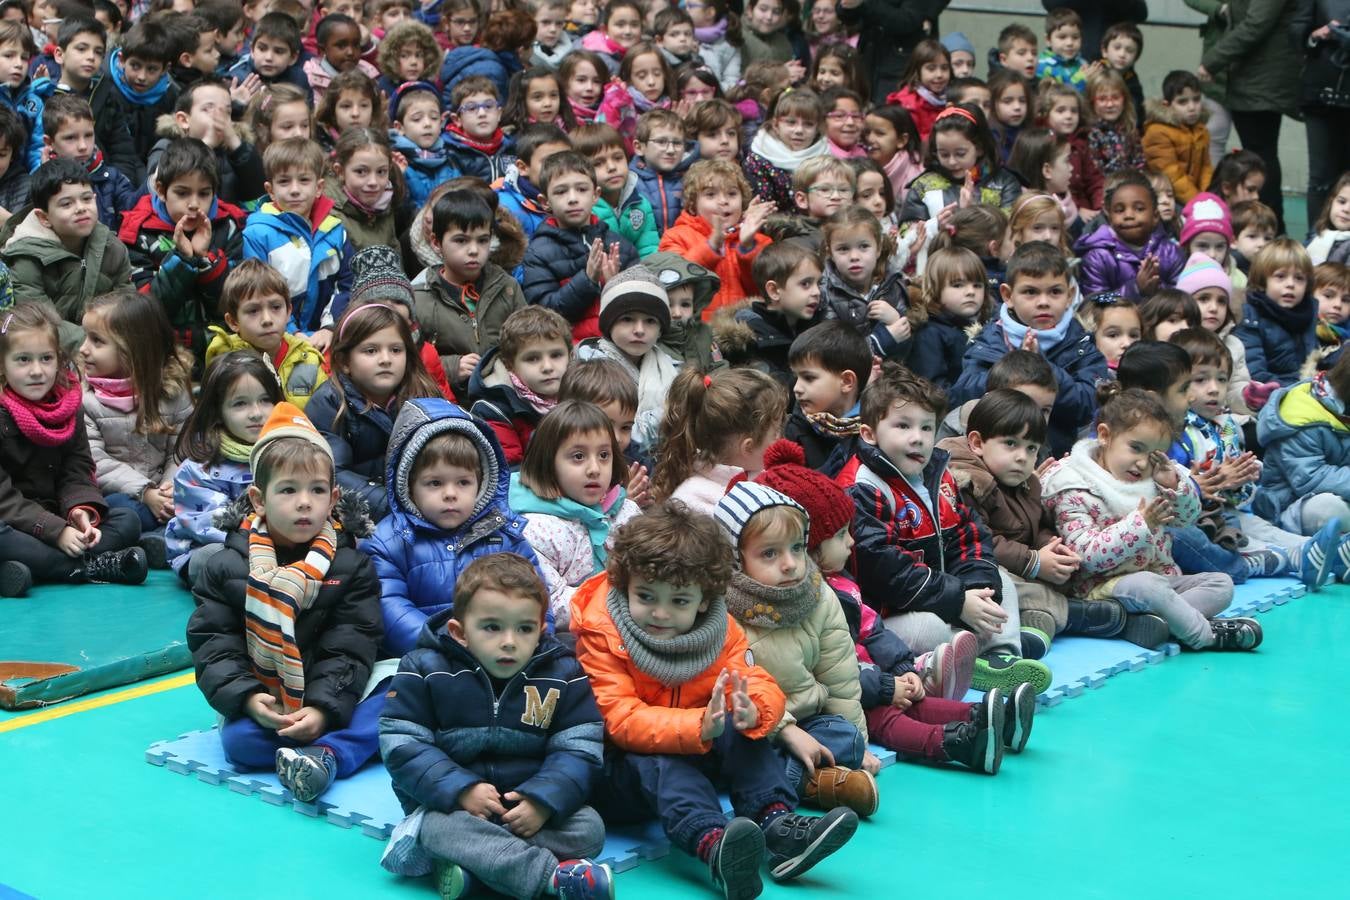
555	272
752	335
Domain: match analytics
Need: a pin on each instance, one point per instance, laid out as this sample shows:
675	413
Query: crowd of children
586	408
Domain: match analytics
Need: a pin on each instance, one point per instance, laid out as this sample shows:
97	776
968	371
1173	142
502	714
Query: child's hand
715	715
944	218
225	133
201	236
182	242
981	613
1158	512
481	800
71	542
883	312
242	91
639	485
744	713
159	500
717	237
610	263
82	520
321	339
467	363
1211	481
911	686
1164	470
1058	562
308	725
967	196
1031	342
806	749
870	763
265	709
1149	277
526	817
796	71
753	220
594	260
399	160
1242	470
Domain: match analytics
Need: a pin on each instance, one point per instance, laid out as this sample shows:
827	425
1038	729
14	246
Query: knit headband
351	314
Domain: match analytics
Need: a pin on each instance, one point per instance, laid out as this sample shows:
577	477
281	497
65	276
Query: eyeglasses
666	142
469	109
840	116
831	190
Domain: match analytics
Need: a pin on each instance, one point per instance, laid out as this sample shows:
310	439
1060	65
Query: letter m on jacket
539	711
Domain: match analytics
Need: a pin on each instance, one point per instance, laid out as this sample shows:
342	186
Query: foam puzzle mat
366	800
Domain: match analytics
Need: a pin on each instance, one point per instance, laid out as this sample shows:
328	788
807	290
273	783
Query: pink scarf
114	393
541	404
47	424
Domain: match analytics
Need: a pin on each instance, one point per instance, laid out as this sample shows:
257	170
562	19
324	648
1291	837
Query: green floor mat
61	642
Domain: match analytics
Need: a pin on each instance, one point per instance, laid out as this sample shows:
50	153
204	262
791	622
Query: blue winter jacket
358	441
199	491
463	62
1307	448
665	192
417	562
426	168
445	728
115	194
472	161
313	256
1278	341
510	197
293	74
1077	364
26	100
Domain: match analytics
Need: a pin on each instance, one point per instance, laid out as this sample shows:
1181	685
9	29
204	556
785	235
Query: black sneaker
795	842
1035	642
978	744
117	567
1095	618
15	579
1236	634
736	858
1146	630
306	772
1018	713
156	554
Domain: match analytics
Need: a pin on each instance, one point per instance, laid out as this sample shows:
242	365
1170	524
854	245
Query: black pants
1328	155
121	528
1260	133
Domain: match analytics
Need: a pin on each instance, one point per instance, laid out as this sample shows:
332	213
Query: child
1176	141
376	367
923	93
619	29
366	195
972	91
583	75
892	141
352	100
19	93
796	629
837	65
255	303
1115	325
789	138
474	139
843	123
1131	253
1207	229
68	133
80	48
339	44
552	42
237	395
1166	313
287	622
767	34
1122	45
962	53
447	483
417	133
296	232
1036	316
1331	288
462	303
1041	159
1113	136
1253	227
1010	97
536	97
138	89
1062	60
542	767
634	311
1017	50
714	36
1167	203
952	291
959	159
758	333
691	288
58	528
517	383
673	36
661	157
662	591
608	385
140	393
645	81
194	52
1112	498
620	205
279	112
820	188
1332	240
518	190
716	125
572	254
1064	111
1038	217
203	112
60	254
907	516
874	194
408	52
830	366
274	54
570	489
1279	318
1212	289
856	287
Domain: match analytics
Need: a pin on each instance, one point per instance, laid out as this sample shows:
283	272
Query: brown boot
833	786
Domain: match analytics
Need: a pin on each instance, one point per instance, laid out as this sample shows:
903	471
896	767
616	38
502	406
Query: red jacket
1087	185
689	238
920	110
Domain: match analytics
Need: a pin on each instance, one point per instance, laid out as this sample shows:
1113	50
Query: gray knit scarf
752	603
675	661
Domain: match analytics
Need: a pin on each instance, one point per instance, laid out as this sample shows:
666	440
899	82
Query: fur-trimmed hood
166	126
351	512
1156	110
508	239
734	337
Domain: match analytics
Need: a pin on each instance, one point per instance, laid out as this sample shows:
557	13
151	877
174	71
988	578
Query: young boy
16	51
686	708
1122	45
1279	318
448	481
620	205
572	253
1331	289
1036	316
1176	141
831	364
60	253
962	53
610	386
202	111
660	159
81	46
758	333
1254	226
716	125
923	558
462	304
518	381
961	91
691	288
195	54
518	189
68	133
673	34
287	622
1018	370
228	21
274	53
296	232
1062	59
183	239
137	88
418	133
552	42
474	136
15	180
1016	49
821	187
719	228
507	811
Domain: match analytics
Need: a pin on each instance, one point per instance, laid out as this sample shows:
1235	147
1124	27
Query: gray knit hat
377	277
635	289
745	499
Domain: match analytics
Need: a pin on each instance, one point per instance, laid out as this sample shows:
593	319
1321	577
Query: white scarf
1319	248
654	378
1080	471
768	145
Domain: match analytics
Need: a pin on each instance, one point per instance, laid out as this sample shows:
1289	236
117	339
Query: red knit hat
825	502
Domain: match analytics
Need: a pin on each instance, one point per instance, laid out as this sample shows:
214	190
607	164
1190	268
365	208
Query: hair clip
4	329
1106	298
351	314
707	381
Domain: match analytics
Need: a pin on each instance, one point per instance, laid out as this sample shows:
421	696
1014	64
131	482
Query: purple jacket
1109	264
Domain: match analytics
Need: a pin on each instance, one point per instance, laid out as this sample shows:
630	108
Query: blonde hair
774	521
30	316
262	109
294	154
1281	253
160	370
711	173
817	167
1108	79
953	264
1025	211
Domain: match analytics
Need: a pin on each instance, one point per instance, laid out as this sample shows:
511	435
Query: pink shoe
948	669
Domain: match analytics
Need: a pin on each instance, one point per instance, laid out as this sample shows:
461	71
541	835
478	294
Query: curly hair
671	543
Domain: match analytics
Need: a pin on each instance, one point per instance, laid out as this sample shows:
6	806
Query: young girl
536	96
979	229
140	394
278	112
890	138
1131	253
570	489
754	96
368	190
856	287
1113	136
583	75
790	138
1062	109
1115	325
237	395
961	168
1279	318
1041	159
376	365
716	428
1332	243
620	28
1113	498
923	89
644	83
1167	312
460	21
352	100
837	66
843	123
1167	203
1010	95
1036	217
407	52
824	31
953	292
1239	175
768	33
58	529
718	32
874	194
695	82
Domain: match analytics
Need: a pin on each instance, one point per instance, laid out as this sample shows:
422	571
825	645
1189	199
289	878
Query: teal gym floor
1210	775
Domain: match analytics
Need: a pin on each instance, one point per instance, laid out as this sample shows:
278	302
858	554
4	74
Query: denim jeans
1196	554
838	735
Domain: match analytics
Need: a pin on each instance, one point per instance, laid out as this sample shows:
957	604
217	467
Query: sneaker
736	858
1094	618
833	786
1002	670
117	567
452	881
1323	556
581	879
156	554
1035	643
1040	620
1018	713
978	744
1147	630
796	842
306	772
15	579
1236	634
946	671
1265	563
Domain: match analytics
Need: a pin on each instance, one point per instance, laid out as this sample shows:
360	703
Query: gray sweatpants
509	865
1185	602
924	631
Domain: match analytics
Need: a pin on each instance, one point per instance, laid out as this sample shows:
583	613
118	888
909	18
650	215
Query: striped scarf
276	595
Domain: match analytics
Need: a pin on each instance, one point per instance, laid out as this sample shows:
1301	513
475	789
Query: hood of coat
1155	110
673	271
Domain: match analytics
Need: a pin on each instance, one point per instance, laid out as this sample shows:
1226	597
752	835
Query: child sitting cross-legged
831	364
506	811
758	333
686	710
287	622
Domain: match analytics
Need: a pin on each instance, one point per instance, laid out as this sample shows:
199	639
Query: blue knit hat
956	41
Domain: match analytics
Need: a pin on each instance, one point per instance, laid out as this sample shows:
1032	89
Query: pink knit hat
1206	212
1203	272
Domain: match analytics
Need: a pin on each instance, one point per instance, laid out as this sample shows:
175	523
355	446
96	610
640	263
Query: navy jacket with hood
358	441
664	191
1278	341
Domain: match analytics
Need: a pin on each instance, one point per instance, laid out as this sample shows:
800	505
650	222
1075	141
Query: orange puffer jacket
689	238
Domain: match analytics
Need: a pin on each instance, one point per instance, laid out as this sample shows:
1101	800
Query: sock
707	843
770	813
